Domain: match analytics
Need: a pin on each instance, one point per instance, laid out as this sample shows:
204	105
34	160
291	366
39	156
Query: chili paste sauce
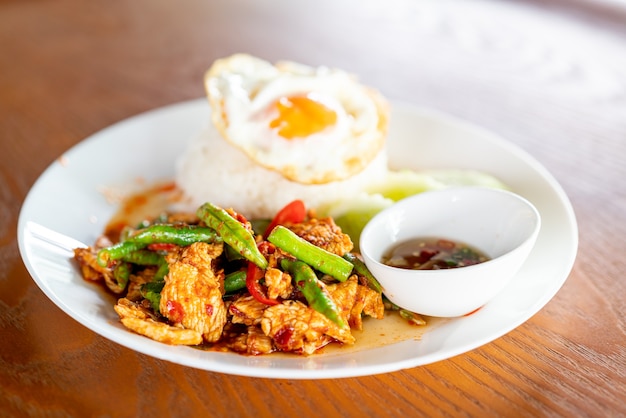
432	254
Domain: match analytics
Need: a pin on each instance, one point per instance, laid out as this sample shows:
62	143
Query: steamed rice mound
213	170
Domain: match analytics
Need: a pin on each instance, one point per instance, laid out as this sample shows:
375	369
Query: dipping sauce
429	253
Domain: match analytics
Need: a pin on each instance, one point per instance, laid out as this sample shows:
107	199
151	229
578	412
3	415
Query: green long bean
182	235
152	292
234	281
411	317
144	258
161	271
316	257
362	270
148	258
313	290
117	251
121	273
232	232
169	234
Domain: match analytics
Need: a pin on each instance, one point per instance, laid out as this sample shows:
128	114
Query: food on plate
294	286
271	140
303	146
283	132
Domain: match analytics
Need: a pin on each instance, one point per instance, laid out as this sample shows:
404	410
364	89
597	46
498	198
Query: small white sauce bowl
499	223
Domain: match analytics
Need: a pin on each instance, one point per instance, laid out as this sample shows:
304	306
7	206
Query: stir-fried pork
354	300
325	234
253	342
246	310
191	296
193	309
140	320
136	281
92	271
296	327
278	283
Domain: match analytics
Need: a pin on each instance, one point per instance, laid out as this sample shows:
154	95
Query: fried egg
312	125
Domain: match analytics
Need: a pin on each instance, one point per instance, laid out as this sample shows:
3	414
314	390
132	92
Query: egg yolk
301	116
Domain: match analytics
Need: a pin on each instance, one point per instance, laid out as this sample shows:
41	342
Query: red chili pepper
266	248
242	219
293	212
253	277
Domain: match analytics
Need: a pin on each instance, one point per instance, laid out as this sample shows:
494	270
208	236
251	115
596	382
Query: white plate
68	199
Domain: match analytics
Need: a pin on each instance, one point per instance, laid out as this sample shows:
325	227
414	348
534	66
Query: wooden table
549	77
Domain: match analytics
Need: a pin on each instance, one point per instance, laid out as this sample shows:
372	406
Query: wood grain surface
548	76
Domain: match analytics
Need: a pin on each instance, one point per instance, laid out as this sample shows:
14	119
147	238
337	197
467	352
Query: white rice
213	170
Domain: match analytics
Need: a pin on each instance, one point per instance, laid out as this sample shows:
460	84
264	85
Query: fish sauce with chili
427	253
